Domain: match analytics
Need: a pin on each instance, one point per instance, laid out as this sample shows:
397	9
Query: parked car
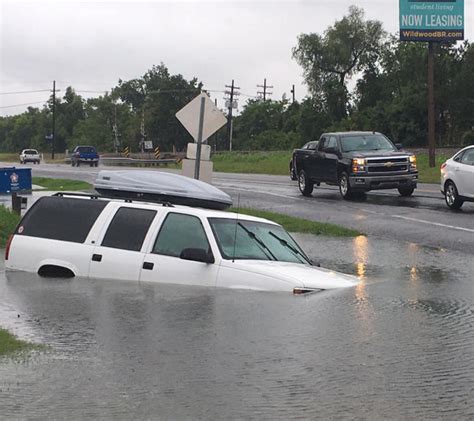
457	178
86	235
309	145
30	155
356	162
85	155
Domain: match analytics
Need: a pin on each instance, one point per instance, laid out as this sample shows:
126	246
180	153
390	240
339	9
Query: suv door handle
148	265
97	257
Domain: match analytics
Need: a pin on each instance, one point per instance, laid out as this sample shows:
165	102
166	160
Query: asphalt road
422	219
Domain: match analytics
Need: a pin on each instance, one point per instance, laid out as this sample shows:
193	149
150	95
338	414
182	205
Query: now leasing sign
435	20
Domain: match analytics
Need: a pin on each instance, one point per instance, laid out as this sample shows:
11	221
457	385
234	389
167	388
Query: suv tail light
443	166
7	246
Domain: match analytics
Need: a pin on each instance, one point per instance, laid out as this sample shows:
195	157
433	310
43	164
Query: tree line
358	77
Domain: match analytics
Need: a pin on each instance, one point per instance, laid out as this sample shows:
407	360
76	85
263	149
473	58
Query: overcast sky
89	45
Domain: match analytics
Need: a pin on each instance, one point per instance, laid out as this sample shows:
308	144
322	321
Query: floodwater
398	346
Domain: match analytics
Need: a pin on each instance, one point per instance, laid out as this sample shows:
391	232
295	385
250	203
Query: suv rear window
85	149
30	152
59	218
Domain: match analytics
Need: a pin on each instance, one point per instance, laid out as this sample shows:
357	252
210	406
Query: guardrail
135	161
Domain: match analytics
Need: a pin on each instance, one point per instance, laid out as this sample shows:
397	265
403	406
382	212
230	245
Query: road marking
433	223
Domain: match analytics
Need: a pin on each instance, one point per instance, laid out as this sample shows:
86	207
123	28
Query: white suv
83	235
29	155
457	178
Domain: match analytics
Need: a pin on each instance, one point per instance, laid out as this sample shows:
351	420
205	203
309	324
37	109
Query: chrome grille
384	165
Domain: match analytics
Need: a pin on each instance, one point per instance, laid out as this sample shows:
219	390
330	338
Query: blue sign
435	20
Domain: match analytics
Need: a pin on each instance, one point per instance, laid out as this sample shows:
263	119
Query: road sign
435	20
189	115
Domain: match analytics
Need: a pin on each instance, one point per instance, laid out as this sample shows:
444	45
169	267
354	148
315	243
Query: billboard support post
431	106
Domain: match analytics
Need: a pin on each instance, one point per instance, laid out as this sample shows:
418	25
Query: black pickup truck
356	162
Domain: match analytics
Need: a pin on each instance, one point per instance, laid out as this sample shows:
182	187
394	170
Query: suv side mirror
399	146
196	254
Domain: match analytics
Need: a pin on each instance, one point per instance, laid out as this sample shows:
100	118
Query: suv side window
180	231
59	218
128	228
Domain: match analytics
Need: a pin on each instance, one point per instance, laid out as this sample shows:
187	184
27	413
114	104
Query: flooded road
398	346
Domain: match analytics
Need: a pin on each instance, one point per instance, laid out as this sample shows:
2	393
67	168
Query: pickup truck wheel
304	184
406	191
344	186
451	196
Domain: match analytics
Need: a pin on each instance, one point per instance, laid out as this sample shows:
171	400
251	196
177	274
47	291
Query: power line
22	105
24	92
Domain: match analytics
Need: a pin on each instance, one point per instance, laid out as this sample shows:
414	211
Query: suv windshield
368	142
240	239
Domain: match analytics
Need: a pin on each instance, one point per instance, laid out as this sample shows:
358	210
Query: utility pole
264	92
115	131
293	93
142	132
230	103
54	120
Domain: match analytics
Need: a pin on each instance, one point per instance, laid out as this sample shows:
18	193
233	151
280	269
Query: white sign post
201	118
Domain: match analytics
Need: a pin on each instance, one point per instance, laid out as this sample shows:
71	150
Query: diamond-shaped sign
214	119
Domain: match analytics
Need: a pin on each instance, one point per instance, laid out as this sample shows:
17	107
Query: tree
349	46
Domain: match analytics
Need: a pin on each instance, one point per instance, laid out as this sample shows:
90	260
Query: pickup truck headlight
412	159
358	165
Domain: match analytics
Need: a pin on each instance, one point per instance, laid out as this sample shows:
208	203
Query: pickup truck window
178	232
371	142
128	228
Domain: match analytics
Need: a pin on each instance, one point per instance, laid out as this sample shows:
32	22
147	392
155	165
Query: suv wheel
406	191
305	184
451	196
344	186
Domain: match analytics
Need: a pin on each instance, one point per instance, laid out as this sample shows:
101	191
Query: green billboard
435	20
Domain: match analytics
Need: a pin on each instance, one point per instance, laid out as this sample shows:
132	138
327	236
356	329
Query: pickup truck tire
451	196
305	184
344	186
406	191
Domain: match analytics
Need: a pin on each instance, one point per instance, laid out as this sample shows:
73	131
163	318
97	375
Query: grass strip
294	224
9	344
8	223
61	184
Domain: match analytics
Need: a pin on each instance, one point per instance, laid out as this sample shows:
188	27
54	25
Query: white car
457	178
90	236
30	155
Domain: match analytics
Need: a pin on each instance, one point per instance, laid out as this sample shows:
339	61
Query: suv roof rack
125	199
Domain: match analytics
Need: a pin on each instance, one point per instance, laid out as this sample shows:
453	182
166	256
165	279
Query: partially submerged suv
84	155
86	235
30	155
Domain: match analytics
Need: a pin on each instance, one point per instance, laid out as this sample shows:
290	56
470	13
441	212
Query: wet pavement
400	345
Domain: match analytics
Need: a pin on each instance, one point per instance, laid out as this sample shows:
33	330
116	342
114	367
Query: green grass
8	222
9	344
427	174
274	163
60	184
294	224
